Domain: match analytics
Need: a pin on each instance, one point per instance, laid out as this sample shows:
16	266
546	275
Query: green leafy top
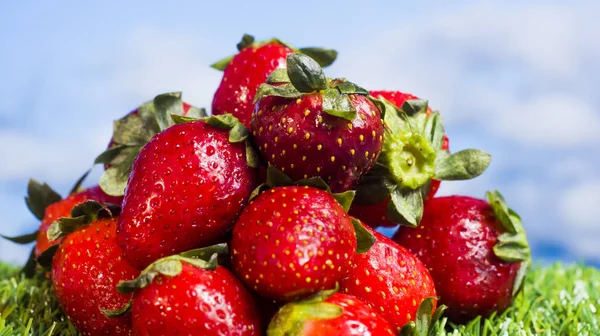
303	75
205	258
411	156
425	321
290	319
277	178
39	197
132	132
324	57
512	245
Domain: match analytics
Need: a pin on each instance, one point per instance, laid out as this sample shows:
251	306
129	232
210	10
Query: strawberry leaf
45	258
512	245
28	269
247	40
276	177
23	239
278	76
345	199
112	313
351	88
251	156
464	165
405	206
337	104
206	253
165	105
364	239
286	90
222	63
39	197
177	119
305	74
324	57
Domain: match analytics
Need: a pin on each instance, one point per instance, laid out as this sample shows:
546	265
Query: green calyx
132	132
411	157
205	258
237	132
81	215
39	197
425	321
512	245
277	178
290	319
324	57
303	75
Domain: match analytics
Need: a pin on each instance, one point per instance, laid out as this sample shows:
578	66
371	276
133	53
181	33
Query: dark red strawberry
476	251
413	155
244	72
186	188
86	267
391	280
133	131
328	314
307	125
291	242
184	296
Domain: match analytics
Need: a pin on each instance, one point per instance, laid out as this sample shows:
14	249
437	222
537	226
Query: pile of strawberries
259	219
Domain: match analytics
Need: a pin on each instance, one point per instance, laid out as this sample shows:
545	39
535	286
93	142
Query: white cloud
512	69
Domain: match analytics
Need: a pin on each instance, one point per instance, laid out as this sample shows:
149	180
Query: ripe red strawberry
328	314
133	131
476	251
184	296
244	72
86	268
291	242
307	125
414	154
48	206
391	280
186	188
63	208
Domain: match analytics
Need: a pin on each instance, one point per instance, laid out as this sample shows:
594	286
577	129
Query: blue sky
515	78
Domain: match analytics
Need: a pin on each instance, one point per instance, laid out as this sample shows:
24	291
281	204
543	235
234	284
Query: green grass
557	300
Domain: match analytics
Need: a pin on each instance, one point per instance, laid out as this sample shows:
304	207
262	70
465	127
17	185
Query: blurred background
518	79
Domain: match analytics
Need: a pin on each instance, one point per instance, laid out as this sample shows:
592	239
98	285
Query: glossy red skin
374	215
186	188
280	127
389	276
242	77
85	271
455	241
356	320
186	108
63	209
195	302
291	242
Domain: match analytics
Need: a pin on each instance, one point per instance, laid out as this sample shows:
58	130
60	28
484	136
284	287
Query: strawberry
391	280
413	155
476	251
133	131
328	313
179	295
186	188
244	72
293	241
48	206
86	267
309	126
